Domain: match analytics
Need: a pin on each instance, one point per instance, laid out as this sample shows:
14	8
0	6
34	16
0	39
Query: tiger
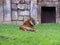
28	25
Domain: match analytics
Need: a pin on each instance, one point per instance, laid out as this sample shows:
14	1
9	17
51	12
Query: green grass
48	34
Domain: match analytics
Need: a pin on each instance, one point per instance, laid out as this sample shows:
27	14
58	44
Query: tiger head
32	21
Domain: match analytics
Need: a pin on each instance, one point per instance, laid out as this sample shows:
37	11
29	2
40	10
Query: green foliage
47	34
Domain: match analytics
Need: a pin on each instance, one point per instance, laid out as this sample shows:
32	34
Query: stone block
27	1
14	6
23	6
1	17
20	18
1	1
14	15
20	22
1	13
23	12
7	22
14	22
7	11
58	20
15	1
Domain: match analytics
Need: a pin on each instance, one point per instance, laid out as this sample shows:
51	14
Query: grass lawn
48	34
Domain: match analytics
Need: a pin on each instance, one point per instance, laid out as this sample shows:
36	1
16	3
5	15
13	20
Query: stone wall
18	11
21	11
49	3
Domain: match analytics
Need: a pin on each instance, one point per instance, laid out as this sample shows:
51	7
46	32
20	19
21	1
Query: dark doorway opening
48	14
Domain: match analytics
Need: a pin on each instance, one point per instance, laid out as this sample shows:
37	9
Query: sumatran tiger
28	25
